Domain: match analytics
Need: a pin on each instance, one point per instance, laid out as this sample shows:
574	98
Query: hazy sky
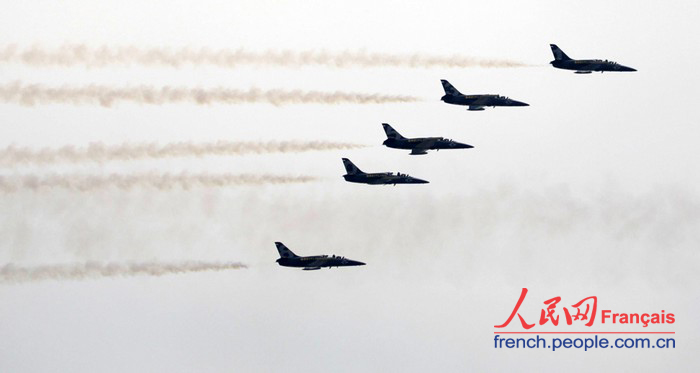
592	190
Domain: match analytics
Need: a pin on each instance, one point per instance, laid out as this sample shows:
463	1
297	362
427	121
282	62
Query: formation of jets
421	145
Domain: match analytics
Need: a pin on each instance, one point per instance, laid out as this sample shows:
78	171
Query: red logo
548	313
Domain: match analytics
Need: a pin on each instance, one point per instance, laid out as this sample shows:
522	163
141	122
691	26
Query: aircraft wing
481	101
387	179
423	146
591	66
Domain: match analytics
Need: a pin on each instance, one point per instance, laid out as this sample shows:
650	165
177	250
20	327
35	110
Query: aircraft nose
463	146
420	181
355	263
625	68
519	103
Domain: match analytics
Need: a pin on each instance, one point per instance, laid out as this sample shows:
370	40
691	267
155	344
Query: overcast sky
591	190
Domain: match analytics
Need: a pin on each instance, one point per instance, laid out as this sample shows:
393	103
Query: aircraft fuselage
481	101
440	143
318	261
383	179
590	65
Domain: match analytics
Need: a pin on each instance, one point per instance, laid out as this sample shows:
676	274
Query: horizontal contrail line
10	273
99	152
83	55
10	184
33	94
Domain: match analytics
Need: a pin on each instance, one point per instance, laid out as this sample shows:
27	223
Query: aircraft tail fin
391	133
284	251
559	54
351	168
449	88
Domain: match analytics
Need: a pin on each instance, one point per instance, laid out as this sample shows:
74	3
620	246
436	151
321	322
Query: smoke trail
32	94
13	274
86	183
77	54
98	152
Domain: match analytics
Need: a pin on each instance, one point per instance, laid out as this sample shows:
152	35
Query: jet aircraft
308	263
562	61
355	175
419	145
475	102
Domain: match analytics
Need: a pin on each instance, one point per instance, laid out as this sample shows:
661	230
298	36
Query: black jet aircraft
562	61
355	175
308	263
475	102
419	145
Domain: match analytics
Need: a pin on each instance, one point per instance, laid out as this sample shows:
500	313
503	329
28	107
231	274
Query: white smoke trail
10	273
84	183
77	54
99	152
32	94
